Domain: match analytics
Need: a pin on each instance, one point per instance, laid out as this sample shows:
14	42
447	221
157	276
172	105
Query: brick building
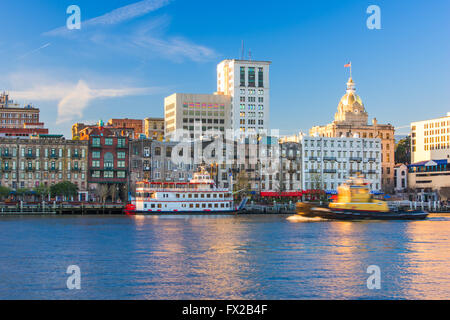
26	163
107	162
17	121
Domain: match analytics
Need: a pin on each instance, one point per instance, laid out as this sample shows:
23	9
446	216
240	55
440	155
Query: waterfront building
430	139
154	128
430	177
17	121
196	114
46	159
152	160
136	124
107	161
400	177
327	162
291	166
351	120
80	130
248	84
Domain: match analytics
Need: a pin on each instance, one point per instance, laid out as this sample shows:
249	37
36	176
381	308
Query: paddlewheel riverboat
199	196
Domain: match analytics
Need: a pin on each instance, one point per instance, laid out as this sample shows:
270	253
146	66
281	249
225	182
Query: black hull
326	213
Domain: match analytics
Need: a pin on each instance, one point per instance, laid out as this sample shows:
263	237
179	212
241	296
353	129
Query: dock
61	209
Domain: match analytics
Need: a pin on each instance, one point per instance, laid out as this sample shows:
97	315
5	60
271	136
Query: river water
223	257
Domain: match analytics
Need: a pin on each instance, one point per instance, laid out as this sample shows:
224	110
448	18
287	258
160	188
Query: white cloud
73	99
116	16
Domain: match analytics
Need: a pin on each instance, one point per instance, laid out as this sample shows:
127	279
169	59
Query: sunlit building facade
430	139
351	120
248	84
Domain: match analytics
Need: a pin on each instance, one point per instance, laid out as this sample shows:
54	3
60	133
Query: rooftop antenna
250	55
242	50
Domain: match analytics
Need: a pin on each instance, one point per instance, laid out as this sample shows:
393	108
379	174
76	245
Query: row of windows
121	142
109	174
252	77
204	121
435	124
97	154
37	166
203	113
252	92
38	176
18	115
48	152
190	205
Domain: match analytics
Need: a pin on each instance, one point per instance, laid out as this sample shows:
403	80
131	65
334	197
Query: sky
129	55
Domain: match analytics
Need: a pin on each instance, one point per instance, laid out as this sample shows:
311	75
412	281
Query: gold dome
349	99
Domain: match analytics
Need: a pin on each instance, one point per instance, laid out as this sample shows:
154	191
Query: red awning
282	194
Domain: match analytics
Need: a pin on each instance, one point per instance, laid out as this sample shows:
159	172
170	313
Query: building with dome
352	120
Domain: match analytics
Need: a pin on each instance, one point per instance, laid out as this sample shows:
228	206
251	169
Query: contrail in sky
34	51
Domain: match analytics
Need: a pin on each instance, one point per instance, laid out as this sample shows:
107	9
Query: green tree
242	181
42	191
64	189
403	151
4	192
21	193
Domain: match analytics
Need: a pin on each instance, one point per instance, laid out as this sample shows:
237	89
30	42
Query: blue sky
129	55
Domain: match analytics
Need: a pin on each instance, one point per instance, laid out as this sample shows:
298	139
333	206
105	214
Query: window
108	161
242	76
96	155
96	174
120	143
121	164
121	155
260	77
251	77
108	174
95	163
108	141
121	174
95	143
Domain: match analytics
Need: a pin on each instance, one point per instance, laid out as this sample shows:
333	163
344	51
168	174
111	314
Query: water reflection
243	257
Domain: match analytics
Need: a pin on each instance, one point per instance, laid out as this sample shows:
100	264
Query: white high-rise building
248	84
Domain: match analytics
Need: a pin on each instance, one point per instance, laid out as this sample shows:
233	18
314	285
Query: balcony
372	172
6	169
76	156
7	156
329	159
356	159
53	169
30	169
54	156
30	156
147	169
76	169
329	171
313	171
372	159
313	158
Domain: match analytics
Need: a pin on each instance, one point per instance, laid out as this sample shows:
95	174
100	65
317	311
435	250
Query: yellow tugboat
355	202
